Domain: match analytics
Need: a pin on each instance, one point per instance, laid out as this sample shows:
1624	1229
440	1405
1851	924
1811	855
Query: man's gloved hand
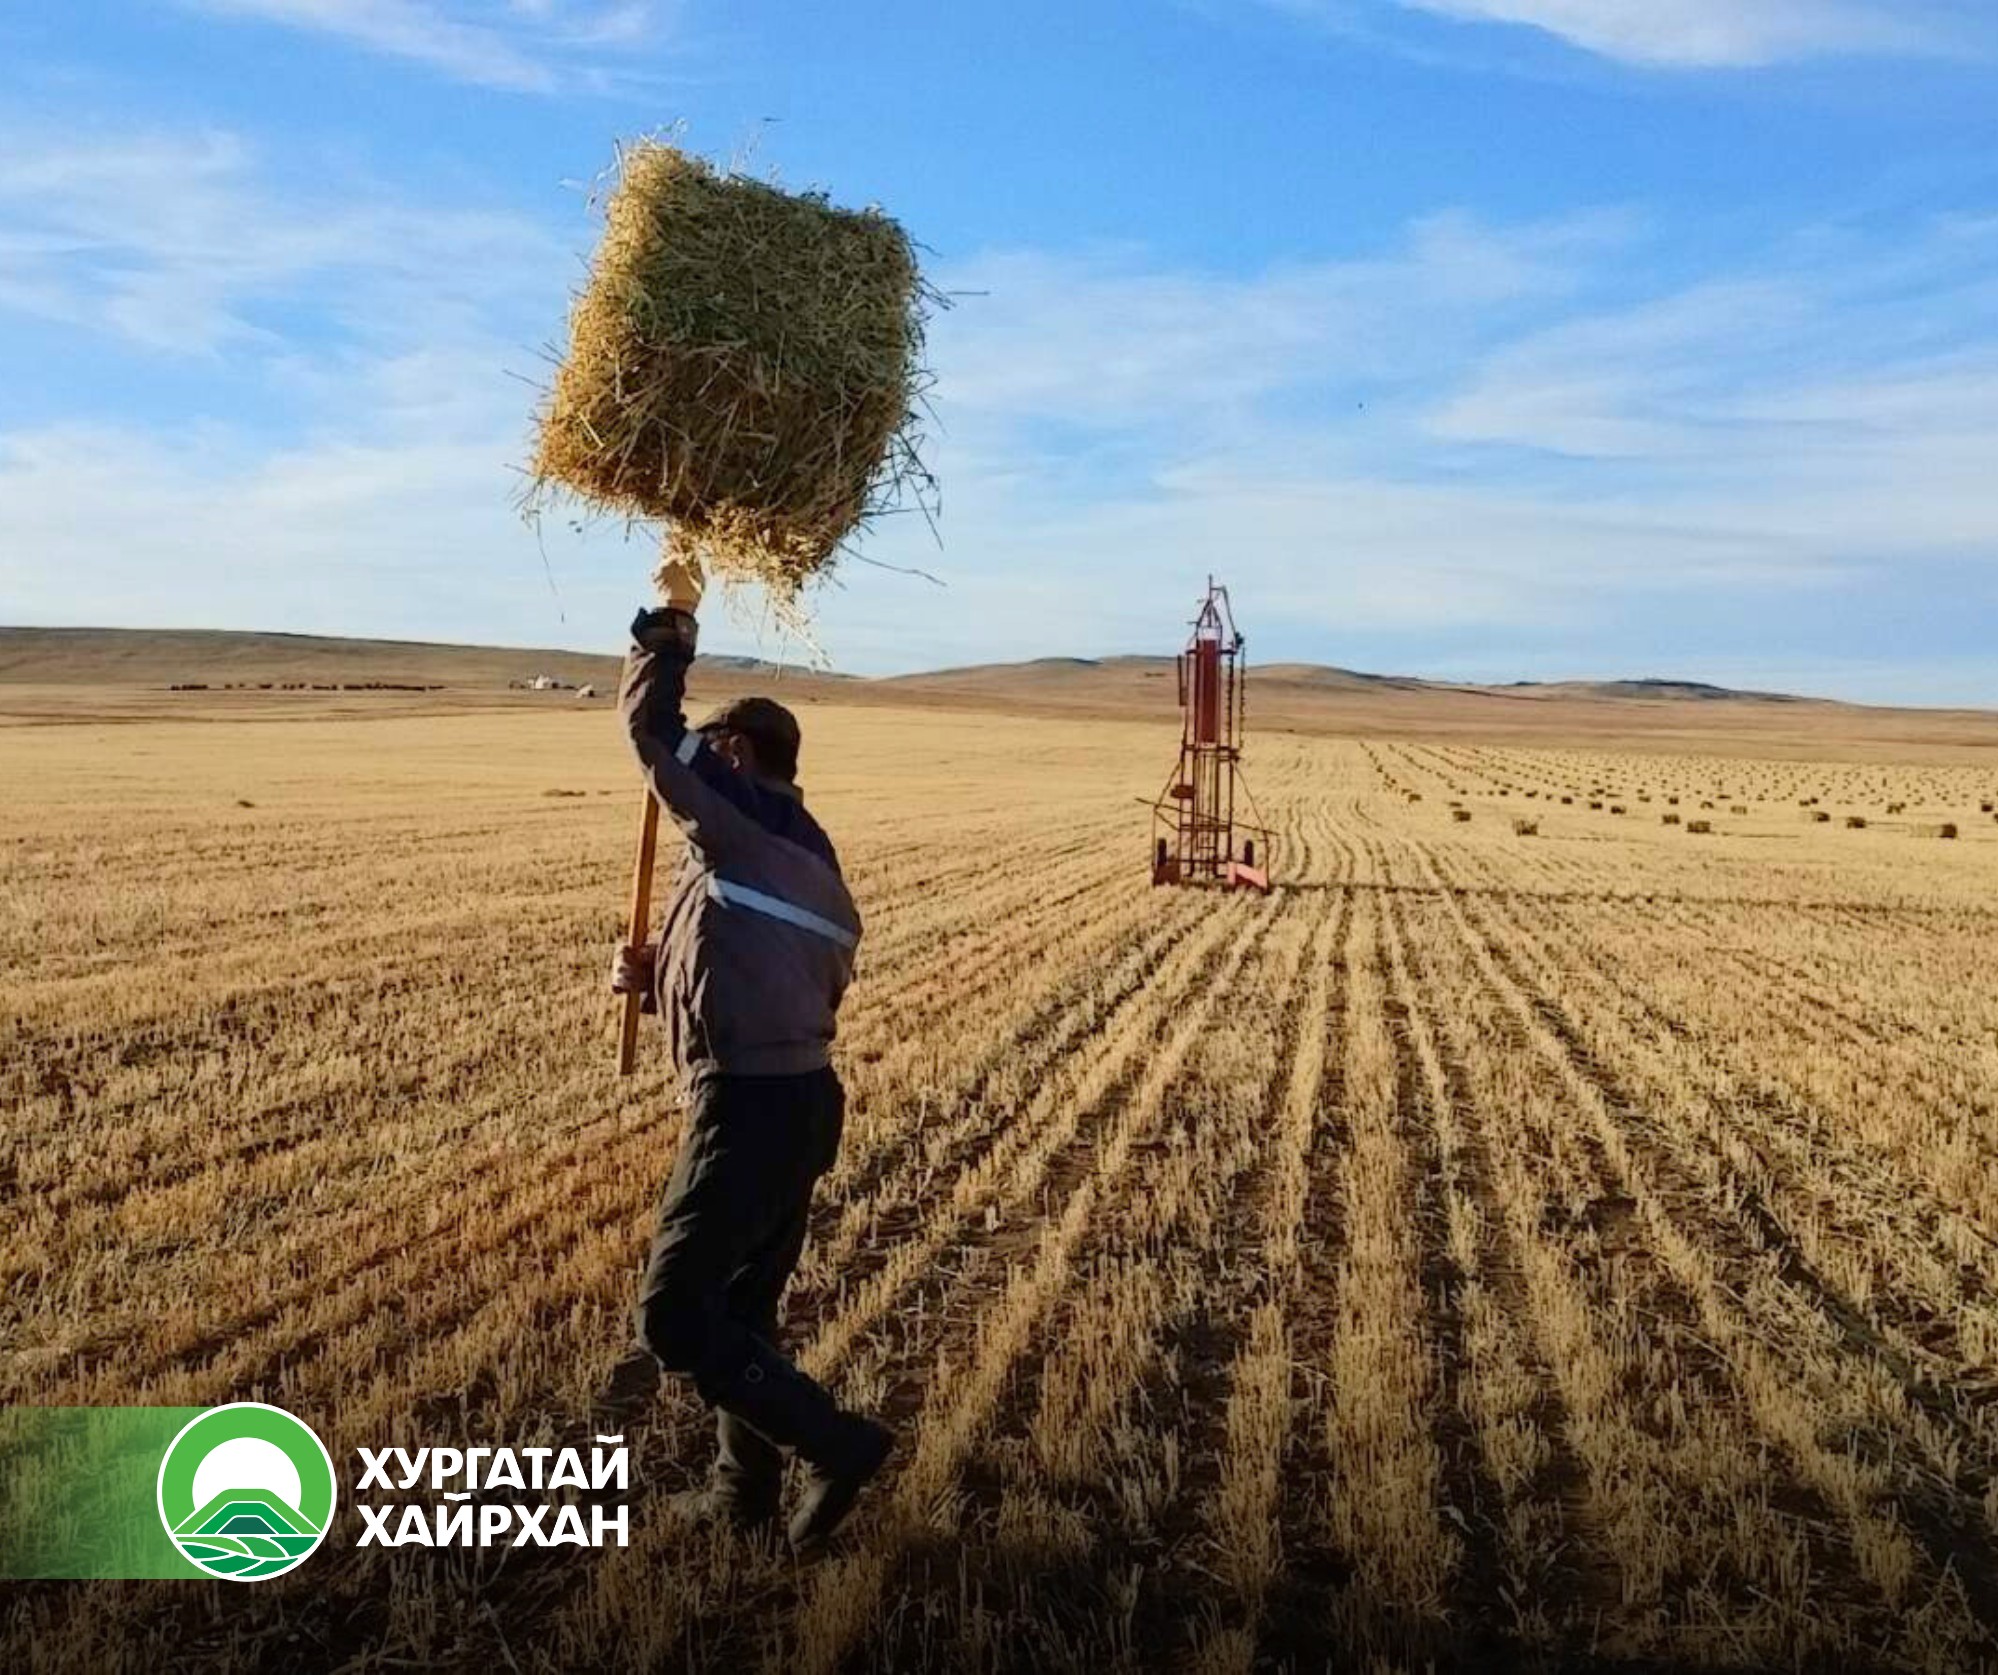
666	629
681	582
632	967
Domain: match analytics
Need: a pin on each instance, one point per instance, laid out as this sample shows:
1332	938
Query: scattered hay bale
1737	808
1595	805
1616	808
1700	827
1568	801
1460	814
1820	817
1986	808
1896	808
1946	829
1674	801
1855	822
1669	819
743	364
1522	827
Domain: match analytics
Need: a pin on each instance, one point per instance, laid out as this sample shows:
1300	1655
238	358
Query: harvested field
1573	1254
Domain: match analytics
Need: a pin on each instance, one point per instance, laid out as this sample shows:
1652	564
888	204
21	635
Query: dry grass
741	365
1575	1254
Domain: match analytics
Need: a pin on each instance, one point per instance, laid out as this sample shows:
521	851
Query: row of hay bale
1524	827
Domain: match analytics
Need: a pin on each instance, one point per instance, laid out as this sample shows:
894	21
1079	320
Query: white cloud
1713	32
529	46
1818	426
174	240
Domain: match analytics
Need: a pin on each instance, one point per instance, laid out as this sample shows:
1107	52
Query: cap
767	722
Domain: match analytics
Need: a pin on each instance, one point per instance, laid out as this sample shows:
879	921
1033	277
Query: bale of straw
743	363
1525	828
1460	814
1947	829
1700	828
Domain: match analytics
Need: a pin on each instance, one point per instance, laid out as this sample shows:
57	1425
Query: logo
246	1491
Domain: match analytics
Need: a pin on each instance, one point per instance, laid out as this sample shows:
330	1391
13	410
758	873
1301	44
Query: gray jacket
760	932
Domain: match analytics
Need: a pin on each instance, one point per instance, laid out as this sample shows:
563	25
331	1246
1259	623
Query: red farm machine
1199	835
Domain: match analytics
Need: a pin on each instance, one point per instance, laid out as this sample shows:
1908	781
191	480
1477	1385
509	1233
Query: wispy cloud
1466	442
175	241
534	46
1703	34
1711	32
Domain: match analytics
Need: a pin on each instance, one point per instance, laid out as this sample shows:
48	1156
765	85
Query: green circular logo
246	1491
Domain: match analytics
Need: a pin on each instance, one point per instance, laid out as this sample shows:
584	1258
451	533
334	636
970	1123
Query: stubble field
1568	1249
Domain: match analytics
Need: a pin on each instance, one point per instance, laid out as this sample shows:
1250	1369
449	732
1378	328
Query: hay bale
1820	817
1700	828
742	364
1737	808
1522	827
1669	819
1460	814
1855	822
1946	830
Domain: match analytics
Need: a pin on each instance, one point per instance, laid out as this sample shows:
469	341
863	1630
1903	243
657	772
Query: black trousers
731	1226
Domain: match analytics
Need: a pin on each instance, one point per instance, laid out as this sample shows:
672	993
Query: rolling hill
45	674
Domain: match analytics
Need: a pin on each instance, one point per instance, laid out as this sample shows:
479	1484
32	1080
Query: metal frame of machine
1194	819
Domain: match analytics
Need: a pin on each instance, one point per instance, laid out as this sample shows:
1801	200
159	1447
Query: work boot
833	1484
842	1451
718	1506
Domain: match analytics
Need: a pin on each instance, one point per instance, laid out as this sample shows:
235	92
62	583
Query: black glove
666	630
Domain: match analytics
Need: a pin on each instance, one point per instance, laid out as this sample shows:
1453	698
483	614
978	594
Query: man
758	949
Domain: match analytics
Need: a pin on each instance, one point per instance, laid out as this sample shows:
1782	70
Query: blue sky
1487	339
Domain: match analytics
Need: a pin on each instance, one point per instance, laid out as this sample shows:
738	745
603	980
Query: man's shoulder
790	821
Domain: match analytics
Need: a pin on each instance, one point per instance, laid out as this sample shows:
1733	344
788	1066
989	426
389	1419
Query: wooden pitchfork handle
637	926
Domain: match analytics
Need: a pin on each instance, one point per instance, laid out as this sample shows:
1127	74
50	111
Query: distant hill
54	675
1110	678
1695	690
217	657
